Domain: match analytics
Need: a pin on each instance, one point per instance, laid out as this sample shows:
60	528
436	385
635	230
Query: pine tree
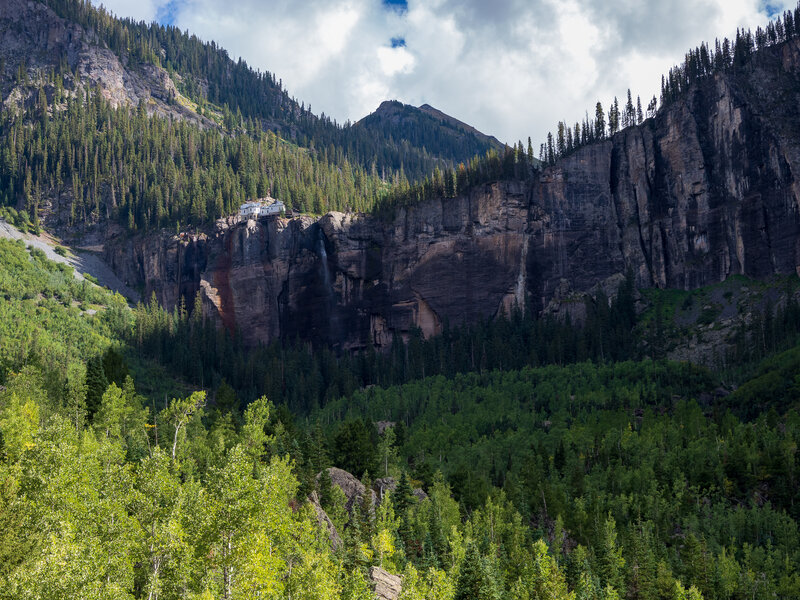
542	576
366	510
96	384
642	579
325	489
561	145
475	580
610	560
599	122
630	112
613	117
403	499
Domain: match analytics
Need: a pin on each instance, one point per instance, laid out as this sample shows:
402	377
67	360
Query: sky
511	68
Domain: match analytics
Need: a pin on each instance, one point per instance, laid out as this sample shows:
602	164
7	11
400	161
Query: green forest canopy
582	481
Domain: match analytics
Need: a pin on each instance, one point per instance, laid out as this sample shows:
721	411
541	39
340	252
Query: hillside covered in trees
596	480
58	148
239	133
148	453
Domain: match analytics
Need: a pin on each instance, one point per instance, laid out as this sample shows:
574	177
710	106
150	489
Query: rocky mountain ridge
706	189
427	127
34	37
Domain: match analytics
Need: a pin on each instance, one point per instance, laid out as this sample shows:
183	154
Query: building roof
262	205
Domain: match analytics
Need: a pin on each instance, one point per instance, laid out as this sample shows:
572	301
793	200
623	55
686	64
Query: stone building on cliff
263	207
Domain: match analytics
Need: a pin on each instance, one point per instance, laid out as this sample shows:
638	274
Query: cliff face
350	280
707	189
33	35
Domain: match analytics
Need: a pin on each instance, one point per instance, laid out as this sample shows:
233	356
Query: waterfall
326	275
330	323
562	251
519	292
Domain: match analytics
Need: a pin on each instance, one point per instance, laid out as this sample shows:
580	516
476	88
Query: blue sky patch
398	5
398	42
771	8
167	12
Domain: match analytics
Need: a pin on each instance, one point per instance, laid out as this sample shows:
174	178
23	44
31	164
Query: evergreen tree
610	560
96	384
599	122
630	112
353	448
475	579
403	500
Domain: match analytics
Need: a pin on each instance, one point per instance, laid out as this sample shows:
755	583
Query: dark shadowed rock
707	189
325	521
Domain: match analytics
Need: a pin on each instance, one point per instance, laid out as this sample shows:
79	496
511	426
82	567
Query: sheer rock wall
706	189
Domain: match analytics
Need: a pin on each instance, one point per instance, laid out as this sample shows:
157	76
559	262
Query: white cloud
512	68
140	10
395	60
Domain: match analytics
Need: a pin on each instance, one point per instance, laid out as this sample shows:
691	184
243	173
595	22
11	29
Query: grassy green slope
48	318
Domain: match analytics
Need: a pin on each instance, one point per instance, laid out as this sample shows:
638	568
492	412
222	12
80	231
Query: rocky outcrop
325	522
386	485
352	488
385	585
350	280
708	188
33	35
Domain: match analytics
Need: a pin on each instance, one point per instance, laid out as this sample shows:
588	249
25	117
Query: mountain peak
425	126
453	122
388	105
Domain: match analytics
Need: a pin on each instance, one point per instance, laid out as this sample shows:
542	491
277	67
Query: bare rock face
349	280
708	188
699	193
385	585
353	489
325	522
34	35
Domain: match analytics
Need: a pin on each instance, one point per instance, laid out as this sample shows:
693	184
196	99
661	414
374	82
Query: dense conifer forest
599	479
74	145
148	172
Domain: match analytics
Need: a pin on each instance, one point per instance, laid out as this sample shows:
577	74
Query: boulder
349	484
325	522
385	585
382	426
